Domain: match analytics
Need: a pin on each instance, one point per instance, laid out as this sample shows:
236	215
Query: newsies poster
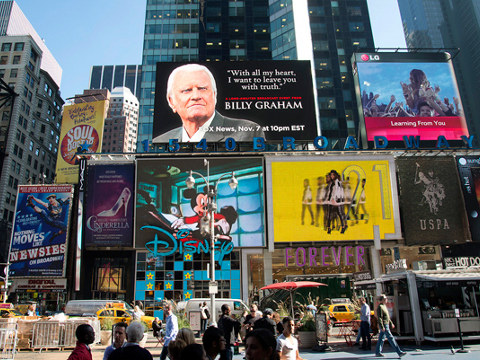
82	133
40	231
239	100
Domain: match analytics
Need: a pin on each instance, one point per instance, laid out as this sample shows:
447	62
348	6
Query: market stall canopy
291	286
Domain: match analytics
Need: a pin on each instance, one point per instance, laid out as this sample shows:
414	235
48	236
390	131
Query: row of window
19	46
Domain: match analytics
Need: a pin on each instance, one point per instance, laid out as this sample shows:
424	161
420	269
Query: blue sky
84	33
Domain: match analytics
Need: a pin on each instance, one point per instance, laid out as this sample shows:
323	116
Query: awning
448	276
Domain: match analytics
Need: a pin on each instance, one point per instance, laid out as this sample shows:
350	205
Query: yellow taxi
118	313
341	312
7	310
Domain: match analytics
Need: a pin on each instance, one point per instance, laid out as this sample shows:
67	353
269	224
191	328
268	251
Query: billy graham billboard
240	100
40	231
408	94
335	198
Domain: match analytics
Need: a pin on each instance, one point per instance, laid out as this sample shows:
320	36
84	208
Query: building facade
112	76
121	123
31	129
451	25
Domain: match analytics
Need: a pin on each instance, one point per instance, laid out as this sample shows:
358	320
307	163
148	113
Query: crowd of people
264	338
337	202
419	99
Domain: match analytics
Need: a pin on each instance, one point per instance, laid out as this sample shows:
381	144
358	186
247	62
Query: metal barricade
56	334
8	341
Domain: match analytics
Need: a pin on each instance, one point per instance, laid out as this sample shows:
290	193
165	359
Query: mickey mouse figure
223	220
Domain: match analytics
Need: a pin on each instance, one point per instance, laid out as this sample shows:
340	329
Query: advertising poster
469	172
109	205
82	133
405	94
269	99
431	202
337	198
170	218
40	231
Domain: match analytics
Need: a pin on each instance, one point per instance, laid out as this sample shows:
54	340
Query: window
16	59
40	104
19	46
30	147
2	73
3	59
13	73
6	46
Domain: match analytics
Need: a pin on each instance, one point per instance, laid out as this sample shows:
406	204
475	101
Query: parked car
117	312
90	307
5	313
341	312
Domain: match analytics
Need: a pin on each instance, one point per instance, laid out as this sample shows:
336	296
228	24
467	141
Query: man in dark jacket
230	328
85	336
266	322
131	349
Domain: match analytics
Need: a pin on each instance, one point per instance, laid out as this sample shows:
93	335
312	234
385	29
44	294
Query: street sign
213	287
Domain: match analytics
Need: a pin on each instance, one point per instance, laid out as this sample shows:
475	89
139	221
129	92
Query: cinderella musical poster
109	205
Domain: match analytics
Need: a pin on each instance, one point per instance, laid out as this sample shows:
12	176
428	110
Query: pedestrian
266	322
204	316
287	344
213	342
186	335
175	348
384	323
230	328
365	325
119	337
193	352
131	349
260	344
312	308
251	318
137	313
156	327
170	331
85	336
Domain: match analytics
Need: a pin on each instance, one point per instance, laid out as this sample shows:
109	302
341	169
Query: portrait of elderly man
192	94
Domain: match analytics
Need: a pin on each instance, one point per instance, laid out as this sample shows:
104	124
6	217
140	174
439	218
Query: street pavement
339	350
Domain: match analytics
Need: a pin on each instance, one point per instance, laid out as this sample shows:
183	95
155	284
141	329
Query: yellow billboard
82	132
335	198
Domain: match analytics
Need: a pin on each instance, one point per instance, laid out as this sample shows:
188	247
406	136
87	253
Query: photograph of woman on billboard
410	99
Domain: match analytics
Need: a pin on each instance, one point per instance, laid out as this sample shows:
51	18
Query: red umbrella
291	286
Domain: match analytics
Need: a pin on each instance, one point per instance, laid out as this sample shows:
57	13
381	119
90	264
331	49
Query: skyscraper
111	76
120	129
326	33
449	24
322	31
193	30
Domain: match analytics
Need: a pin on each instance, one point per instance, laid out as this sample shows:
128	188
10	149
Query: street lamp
207	222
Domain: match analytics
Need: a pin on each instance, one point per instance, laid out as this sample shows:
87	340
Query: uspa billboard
431	202
408	94
82	133
239	100
109	205
335	198
469	172
171	217
40	231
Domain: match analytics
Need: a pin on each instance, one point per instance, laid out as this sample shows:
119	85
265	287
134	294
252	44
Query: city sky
81	34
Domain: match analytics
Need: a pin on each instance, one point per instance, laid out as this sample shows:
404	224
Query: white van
89	307
237	306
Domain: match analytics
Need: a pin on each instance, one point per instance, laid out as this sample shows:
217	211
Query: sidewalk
340	350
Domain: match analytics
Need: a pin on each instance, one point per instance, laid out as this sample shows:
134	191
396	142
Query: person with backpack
204	316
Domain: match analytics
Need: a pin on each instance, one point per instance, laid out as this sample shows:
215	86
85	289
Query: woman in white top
287	344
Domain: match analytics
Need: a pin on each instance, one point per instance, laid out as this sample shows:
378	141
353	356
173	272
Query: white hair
135	331
190	68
